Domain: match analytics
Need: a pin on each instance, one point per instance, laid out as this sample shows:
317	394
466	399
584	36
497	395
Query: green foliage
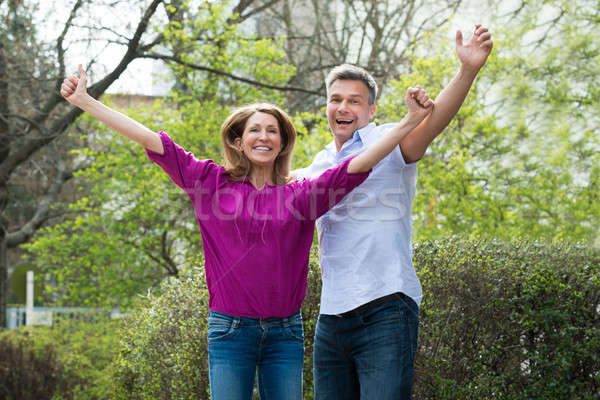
163	352
26	372
498	321
70	360
132	226
521	157
508	321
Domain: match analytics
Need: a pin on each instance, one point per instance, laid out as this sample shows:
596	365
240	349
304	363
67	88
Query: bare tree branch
59	43
165	57
35	143
22	235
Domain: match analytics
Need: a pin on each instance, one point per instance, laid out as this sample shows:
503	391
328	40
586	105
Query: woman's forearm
384	146
121	123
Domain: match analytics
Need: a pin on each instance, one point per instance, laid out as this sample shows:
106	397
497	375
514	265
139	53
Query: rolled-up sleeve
181	165
320	194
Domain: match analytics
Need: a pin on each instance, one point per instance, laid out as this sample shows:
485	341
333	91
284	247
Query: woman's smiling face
261	140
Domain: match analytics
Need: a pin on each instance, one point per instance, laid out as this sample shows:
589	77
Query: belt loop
236	322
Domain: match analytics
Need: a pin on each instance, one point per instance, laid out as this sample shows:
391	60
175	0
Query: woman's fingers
82	78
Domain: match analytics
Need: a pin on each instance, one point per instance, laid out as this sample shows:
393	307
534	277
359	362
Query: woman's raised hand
73	89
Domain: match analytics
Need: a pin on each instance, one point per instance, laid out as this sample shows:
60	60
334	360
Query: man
366	335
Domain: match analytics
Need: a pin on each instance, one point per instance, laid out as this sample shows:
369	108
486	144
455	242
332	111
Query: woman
257	228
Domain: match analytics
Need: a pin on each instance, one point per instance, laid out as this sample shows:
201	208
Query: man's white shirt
365	245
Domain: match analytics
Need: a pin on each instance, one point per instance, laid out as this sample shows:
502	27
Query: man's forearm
447	104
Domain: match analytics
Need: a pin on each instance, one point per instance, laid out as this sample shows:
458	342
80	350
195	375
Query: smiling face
261	140
348	108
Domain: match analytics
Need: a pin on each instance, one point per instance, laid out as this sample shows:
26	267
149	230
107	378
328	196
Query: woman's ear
238	143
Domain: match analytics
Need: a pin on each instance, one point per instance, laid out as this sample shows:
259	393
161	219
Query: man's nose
343	105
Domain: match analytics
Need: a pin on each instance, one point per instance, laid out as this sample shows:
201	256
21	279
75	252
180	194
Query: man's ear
372	108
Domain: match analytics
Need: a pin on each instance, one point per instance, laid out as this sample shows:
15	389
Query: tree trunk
3	275
4	151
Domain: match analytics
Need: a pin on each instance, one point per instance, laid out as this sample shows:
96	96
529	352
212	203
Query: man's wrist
467	72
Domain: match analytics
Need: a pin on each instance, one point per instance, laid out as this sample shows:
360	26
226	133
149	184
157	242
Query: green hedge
508	321
498	321
163	353
70	360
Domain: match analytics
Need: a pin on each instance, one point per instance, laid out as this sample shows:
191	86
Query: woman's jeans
239	346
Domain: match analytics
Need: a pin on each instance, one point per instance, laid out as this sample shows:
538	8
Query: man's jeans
237	346
368	355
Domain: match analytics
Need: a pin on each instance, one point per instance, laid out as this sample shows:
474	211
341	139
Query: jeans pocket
295	330
386	312
220	328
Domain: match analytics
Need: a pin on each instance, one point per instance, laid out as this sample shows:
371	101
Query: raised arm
419	106
472	56
74	90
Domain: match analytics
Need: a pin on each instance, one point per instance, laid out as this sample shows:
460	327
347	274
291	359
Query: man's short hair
352	73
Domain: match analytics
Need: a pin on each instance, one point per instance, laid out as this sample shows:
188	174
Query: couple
257	227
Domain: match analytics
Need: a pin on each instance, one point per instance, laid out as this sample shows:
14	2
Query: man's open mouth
343	121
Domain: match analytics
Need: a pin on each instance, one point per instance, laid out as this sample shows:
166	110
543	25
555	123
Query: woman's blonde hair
236	163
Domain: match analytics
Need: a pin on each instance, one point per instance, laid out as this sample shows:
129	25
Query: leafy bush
508	321
498	321
163	353
70	360
27	372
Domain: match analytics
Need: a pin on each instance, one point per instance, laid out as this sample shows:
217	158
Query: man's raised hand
74	89
475	52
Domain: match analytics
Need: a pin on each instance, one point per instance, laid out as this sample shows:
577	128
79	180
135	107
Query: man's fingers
484	36
488	44
480	29
73	79
459	38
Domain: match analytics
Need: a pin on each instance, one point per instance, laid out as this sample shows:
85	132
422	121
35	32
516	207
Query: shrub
28	372
163	352
498	321
69	360
508	321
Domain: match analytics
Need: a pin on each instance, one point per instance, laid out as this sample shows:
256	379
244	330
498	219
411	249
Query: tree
521	157
134	227
35	161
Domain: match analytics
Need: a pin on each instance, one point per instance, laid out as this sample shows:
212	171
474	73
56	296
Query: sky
141	75
121	16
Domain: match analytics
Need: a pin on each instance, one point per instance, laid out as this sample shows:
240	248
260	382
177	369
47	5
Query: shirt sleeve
320	194
181	166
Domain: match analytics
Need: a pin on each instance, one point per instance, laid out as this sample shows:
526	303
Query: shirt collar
361	134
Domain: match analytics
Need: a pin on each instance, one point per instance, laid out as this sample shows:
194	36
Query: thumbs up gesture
74	89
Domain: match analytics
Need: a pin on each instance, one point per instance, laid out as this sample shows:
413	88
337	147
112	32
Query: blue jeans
238	346
368	355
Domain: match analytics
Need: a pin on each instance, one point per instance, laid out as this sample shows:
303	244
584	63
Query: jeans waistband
372	304
252	321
